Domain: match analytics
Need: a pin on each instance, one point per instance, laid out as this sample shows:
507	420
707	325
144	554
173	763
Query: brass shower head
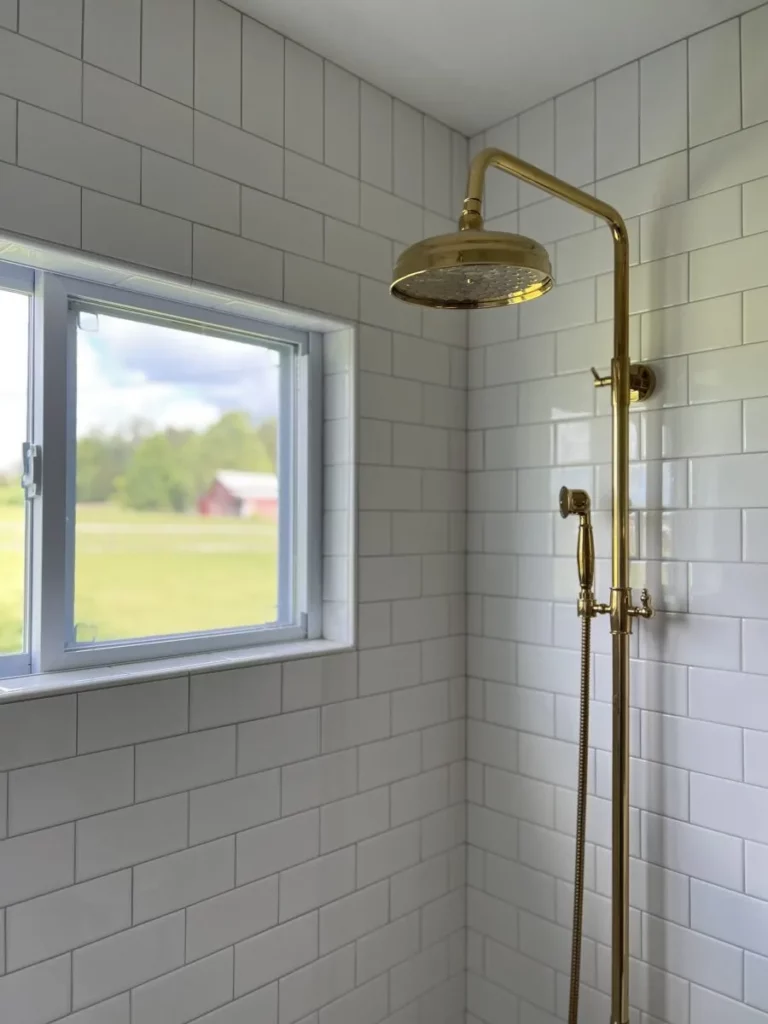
472	269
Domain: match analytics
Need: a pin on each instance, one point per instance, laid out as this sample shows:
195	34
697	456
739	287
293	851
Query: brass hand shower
578	503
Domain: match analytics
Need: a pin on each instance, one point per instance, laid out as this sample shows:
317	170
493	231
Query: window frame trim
50	557
16	278
21	279
311	534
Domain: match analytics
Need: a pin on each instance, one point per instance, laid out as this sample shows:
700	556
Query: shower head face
472	269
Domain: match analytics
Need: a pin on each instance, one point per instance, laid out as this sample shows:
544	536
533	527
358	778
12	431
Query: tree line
168	470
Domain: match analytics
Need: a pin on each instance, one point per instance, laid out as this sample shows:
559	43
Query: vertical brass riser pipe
621	626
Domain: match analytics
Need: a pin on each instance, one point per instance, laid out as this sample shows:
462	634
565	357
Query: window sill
46	684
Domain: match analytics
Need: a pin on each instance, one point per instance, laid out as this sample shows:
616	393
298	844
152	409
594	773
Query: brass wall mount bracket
642	381
587	607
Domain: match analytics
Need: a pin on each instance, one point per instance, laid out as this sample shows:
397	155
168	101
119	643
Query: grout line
740	46
240	57
194	58
285	79
323	128
639	114
688	106
141	38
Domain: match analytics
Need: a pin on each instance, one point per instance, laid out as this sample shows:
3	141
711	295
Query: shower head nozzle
472	269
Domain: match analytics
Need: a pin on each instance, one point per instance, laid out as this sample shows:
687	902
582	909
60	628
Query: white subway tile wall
286	844
699	736
283	843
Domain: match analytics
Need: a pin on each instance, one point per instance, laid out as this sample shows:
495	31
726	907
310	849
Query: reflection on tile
730	481
704	640
569	305
689	431
691	225
546	578
730	373
651	485
756	425
584	441
512	447
579	348
590	440
711	323
755	534
755	639
729	589
558	398
692	535
655	686
519	532
667	583
651	286
755	315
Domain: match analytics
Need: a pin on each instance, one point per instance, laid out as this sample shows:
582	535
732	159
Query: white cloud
128	370
109	407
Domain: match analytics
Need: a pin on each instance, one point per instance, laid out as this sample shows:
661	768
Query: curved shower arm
518	168
472	218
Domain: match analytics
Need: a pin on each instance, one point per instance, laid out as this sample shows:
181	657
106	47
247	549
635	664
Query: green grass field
144	573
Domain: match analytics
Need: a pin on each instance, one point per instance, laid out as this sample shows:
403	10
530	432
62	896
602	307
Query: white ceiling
473	63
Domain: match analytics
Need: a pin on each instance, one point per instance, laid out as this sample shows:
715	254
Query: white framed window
170	459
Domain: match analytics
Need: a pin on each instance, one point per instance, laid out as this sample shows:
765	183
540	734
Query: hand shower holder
642	381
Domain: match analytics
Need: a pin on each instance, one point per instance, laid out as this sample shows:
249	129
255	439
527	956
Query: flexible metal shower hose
581	820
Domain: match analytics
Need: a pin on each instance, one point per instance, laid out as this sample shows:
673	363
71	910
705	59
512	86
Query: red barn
234	493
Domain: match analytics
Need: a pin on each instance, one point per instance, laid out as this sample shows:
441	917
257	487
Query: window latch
32	470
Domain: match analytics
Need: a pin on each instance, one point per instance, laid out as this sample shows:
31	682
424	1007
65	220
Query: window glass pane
14	384
176	481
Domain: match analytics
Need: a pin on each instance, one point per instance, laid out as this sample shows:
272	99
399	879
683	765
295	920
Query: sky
128	370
